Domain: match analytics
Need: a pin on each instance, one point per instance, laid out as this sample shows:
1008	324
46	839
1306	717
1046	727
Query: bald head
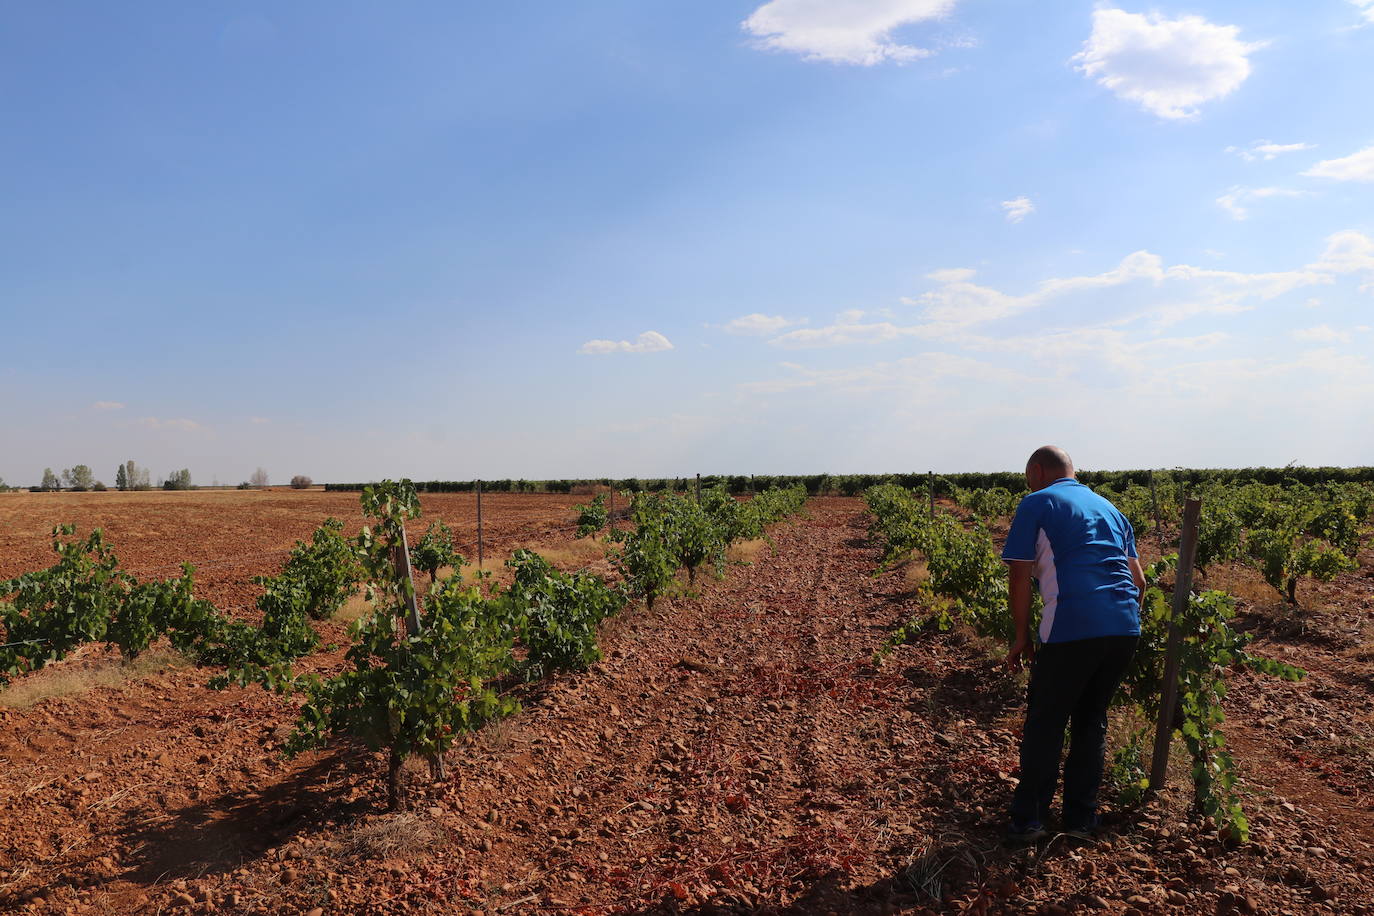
1047	464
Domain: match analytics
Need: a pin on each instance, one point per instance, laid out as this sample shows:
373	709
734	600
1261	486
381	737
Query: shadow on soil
829	894
222	833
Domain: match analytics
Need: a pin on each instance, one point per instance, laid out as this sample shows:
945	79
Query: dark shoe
1025	834
1086	833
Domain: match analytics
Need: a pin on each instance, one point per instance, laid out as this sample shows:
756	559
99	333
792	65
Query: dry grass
745	551
567	556
471	575
1242	582
85	670
574	554
354	608
390	836
916	573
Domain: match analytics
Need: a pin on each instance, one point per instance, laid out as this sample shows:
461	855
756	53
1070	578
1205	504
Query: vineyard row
419	670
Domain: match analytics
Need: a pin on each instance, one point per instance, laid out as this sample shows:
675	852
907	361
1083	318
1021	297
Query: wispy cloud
258	421
952	275
1355	167
759	324
907	374
1349	252
957	307
843	31
1268	149
1322	333
1366	8
1018	209
107	405
181	424
1236	201
648	342
842	333
1168	66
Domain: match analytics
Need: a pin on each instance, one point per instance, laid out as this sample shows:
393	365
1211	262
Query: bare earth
734	752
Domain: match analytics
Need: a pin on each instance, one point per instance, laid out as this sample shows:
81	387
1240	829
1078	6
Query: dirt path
734	752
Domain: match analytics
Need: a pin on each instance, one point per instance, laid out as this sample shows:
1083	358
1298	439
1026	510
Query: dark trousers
1071	685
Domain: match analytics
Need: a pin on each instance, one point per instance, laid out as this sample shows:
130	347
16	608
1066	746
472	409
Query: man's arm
1138	575
1019	596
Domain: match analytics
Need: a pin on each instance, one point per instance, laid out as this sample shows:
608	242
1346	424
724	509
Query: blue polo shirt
1079	543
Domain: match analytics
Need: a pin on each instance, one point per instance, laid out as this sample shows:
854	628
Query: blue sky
617	238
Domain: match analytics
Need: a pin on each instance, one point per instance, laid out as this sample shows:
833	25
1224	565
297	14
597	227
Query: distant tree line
854	484
128	476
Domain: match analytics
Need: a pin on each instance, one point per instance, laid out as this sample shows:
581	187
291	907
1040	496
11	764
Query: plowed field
231	535
735	751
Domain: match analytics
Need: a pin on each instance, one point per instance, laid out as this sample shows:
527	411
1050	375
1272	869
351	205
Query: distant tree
122	478
79	478
50	481
178	480
99	487
136	478
259	478
301	482
3	487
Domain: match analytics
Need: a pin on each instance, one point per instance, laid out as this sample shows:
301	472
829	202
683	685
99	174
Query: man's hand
1022	648
1019	599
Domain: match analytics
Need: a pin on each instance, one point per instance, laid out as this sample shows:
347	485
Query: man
1081	552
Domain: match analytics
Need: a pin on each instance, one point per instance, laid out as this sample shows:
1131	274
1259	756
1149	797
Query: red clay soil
232	535
734	752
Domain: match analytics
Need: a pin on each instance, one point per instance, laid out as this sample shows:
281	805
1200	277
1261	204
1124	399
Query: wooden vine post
1154	503
930	479
479	524
698	488
1168	700
401	558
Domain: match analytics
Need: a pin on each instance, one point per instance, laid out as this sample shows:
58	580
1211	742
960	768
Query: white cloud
648	342
1322	333
107	405
759	324
957	306
1168	66
1355	167
181	424
958	303
1268	149
1018	209
841	333
908	374
1366	8
1236	200
1230	286
1347	252
843	31
951	275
